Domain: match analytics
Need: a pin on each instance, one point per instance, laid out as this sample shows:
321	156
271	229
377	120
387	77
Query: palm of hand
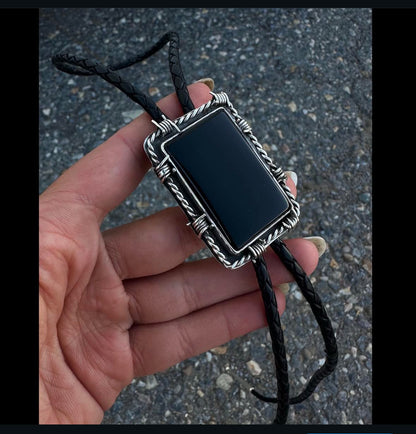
86	356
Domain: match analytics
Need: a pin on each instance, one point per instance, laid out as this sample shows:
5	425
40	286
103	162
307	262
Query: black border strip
19	33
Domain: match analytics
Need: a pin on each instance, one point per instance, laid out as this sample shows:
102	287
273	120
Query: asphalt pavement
302	79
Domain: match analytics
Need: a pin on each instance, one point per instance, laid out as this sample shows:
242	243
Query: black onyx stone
228	177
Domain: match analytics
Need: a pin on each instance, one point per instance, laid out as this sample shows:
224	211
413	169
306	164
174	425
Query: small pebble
219	350
307	354
345	291
292	106
365	197
224	381
140	204
151	382
348	257
348	307
77	156
333	263
153	91
297	294
177	389
253	367
368	266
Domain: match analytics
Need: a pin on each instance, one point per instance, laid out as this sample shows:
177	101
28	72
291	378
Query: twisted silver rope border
166	126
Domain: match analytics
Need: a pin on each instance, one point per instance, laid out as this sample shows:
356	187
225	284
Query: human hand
122	303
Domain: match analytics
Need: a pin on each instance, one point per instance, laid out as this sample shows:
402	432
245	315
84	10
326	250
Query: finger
196	285
155	244
156	347
151	245
109	173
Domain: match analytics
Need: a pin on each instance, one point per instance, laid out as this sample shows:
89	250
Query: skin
122	303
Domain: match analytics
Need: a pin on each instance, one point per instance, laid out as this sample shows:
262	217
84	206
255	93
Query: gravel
302	79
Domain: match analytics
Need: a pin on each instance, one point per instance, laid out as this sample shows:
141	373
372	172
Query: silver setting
200	225
257	249
166	125
199	219
163	169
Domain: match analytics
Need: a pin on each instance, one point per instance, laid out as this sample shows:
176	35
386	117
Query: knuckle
189	294
115	256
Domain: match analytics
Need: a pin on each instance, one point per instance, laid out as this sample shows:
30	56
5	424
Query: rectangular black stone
228	177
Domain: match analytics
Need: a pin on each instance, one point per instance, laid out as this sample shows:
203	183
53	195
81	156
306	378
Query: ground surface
302	78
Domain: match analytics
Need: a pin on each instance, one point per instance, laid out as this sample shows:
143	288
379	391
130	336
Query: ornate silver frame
199	218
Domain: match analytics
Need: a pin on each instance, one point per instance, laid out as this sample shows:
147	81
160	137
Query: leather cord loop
82	66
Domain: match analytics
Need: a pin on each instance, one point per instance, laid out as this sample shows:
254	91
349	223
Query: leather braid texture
61	61
82	66
276	333
177	74
320	314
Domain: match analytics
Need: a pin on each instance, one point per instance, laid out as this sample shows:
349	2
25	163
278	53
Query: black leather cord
82	66
320	314
273	320
278	344
64	61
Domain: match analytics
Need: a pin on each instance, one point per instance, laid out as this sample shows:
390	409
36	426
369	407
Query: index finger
109	173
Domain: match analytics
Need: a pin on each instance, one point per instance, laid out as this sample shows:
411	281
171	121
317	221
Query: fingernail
292	176
319	242
208	81
284	288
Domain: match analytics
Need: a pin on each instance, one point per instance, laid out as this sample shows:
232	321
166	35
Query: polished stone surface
229	178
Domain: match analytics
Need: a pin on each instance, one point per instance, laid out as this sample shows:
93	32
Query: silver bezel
199	218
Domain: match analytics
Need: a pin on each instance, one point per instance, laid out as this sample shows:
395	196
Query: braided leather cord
81	66
61	61
177	74
320	314
276	334
321	317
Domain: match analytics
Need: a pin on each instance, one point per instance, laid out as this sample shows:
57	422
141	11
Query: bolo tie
234	195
